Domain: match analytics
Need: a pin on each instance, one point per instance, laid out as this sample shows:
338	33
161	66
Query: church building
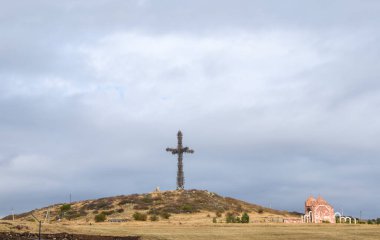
318	211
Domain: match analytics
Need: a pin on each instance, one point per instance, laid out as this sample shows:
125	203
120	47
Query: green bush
100	217
147	199
188	208
230	218
154	218
139	216
65	207
120	210
218	214
245	218
214	219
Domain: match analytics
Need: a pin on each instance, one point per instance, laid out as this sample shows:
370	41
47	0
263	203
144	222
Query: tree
245	218
230	218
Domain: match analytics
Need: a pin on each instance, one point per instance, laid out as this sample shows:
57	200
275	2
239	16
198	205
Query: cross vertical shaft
179	151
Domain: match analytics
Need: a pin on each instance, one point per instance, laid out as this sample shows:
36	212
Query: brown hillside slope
163	204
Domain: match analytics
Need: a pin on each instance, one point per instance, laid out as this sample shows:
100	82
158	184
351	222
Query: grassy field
159	230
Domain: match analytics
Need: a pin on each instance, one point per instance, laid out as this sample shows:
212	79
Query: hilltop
184	205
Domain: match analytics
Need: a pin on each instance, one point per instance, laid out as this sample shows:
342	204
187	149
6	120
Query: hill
191	204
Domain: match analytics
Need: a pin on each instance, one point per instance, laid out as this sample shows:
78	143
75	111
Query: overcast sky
279	100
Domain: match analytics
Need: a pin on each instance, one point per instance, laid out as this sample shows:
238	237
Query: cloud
277	102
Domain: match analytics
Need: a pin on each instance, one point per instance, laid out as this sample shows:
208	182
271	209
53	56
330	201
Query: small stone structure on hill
318	211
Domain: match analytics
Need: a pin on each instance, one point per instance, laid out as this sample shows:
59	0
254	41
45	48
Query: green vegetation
233	218
139	216
187	208
100	217
230	217
245	218
65	207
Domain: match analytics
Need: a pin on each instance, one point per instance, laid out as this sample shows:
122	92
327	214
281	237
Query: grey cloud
278	99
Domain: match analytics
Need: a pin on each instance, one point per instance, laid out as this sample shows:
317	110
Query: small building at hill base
318	211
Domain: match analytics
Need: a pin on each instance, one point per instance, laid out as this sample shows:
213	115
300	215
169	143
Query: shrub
71	214
65	207
188	208
139	216
147	199
214	219
218	214
120	210
230	218
99	204
378	221
100	217
245	218
107	213
165	215
154	218
260	210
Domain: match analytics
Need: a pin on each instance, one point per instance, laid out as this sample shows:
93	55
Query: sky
279	100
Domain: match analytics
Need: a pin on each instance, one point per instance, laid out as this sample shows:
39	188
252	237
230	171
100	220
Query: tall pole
39	226
39	231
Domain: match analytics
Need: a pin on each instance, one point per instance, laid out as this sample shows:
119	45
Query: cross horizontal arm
172	150
187	150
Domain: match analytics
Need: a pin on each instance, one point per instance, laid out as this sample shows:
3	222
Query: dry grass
189	231
192	202
192	212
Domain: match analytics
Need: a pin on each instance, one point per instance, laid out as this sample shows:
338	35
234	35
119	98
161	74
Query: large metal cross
180	150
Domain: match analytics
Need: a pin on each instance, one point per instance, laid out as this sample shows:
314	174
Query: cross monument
180	150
